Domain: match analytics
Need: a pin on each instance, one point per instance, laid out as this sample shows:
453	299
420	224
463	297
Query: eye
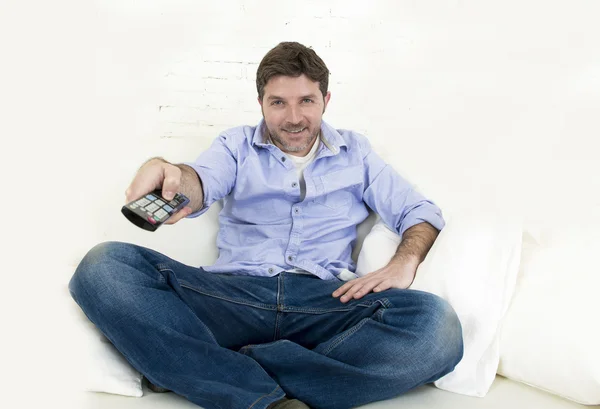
277	102
307	100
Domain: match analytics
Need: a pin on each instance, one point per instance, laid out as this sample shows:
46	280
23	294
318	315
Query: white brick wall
474	102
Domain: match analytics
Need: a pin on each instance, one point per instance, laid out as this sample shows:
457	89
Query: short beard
309	141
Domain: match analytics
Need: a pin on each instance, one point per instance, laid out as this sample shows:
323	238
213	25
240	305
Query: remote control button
174	203
150	197
151	207
159	203
168	208
160	214
142	202
151	220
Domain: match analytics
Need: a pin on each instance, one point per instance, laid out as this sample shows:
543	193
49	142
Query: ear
326	100
259	100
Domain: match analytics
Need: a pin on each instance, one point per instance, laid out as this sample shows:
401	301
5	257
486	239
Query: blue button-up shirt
265	227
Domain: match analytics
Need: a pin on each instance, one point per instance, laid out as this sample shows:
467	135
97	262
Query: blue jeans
234	341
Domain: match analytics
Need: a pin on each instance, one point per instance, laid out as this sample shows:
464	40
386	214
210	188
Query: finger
351	291
138	189
366	288
186	211
147	179
342	289
172	181
382	286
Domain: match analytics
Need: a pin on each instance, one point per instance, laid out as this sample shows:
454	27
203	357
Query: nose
294	115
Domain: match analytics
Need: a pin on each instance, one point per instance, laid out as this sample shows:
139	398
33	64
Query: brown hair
291	59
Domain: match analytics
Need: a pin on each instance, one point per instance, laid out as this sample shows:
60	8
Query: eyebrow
311	96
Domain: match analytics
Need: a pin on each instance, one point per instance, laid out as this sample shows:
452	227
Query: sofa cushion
473	265
551	333
97	365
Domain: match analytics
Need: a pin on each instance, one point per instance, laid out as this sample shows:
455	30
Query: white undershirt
302	162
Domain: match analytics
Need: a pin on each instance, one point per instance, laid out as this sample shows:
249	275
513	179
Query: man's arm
208	179
415	244
405	211
191	186
402	268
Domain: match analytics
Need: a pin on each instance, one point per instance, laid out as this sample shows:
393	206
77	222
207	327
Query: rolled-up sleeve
217	169
393	198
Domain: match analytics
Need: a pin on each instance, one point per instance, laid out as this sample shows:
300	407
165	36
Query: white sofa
504	392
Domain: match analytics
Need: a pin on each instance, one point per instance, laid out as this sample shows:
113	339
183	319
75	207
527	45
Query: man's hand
397	274
402	268
157	173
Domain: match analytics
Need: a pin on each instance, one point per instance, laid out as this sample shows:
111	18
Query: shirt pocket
337	190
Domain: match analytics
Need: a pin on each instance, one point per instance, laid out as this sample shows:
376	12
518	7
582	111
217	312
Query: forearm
415	244
191	186
400	271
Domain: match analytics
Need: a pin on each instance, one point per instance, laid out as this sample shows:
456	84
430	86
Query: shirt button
294	184
296	210
290	258
283	158
271	270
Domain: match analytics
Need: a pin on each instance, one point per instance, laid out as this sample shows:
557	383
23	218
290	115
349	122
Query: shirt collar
330	137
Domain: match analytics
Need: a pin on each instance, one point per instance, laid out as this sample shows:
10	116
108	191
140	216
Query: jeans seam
280	302
263	397
160	268
346	335
327	310
187	285
385	304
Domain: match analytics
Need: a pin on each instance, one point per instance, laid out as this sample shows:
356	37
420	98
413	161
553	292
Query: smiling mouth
294	130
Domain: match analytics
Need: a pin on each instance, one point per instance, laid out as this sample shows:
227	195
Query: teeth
296	131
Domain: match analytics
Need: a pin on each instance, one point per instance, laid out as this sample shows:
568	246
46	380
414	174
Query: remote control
151	211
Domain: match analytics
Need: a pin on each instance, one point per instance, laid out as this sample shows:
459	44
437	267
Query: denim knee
94	273
443	332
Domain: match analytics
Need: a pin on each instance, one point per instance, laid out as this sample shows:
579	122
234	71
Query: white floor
504	394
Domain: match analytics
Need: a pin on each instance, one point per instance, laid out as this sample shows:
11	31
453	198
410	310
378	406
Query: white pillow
473	265
551	334
98	365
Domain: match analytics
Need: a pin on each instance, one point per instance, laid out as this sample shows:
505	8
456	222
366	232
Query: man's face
293	108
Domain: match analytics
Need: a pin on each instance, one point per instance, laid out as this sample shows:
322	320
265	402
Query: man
272	324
